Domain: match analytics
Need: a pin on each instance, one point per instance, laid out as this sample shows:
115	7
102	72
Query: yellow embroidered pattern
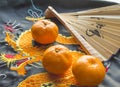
66	40
24	46
34	54
49	80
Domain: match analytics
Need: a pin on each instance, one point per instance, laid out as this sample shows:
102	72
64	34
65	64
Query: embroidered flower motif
12	26
9	56
3	76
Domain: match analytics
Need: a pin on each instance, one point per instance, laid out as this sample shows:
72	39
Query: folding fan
97	30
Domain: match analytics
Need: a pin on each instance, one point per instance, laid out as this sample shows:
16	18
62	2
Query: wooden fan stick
101	16
108	48
101	49
87	25
103	42
111	24
104	31
93	41
83	25
50	12
108	10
